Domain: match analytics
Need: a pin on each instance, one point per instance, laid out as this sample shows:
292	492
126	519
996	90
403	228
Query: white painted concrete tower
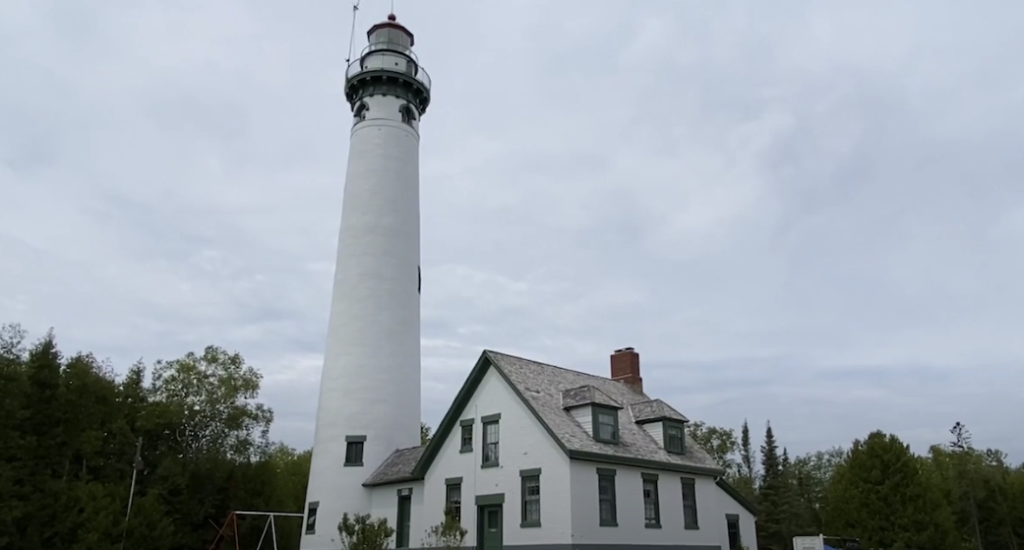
370	384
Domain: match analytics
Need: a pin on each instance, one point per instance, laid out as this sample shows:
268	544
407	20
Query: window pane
531	499
354	452
734	534
650	502
454	499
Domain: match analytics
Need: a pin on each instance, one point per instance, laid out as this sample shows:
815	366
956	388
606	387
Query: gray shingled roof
545	388
586	395
542	386
397	467
653	410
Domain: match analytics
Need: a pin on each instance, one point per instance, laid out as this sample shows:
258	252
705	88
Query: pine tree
770	492
748	478
789	504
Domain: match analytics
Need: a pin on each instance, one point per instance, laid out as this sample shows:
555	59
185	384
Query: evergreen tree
747	480
771	495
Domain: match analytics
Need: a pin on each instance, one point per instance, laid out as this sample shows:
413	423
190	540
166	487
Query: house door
490	527
402	525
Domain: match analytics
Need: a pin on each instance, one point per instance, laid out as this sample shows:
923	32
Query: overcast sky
806	212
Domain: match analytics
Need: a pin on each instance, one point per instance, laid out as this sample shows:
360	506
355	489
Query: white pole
273	531
131	492
264	535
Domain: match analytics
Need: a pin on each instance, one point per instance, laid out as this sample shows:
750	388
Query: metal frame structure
231	527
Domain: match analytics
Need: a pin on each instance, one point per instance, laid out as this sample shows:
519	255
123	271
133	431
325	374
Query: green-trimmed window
652	506
689	503
732	522
606	497
530	481
311	517
354	450
606	424
466	436
490	443
453	500
675	438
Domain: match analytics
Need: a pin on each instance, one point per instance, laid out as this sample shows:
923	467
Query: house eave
662	419
737	496
645	463
406	479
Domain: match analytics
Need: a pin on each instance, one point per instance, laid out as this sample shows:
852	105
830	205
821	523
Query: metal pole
273	530
131	492
264	535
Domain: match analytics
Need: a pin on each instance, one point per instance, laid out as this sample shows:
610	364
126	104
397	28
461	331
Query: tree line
195	438
956	497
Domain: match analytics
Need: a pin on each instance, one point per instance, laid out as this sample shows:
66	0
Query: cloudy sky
805	212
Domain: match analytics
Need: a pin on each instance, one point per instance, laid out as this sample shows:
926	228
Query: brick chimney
626	368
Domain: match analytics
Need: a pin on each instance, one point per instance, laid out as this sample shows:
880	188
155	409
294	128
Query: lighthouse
369	403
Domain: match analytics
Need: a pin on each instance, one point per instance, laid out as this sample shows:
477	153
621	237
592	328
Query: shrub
361	532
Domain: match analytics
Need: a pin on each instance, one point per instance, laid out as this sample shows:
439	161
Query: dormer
666	425
596	412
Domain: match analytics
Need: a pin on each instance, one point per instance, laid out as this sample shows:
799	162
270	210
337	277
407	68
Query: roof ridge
605	378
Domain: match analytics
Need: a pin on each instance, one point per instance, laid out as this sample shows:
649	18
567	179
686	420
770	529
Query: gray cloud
800	212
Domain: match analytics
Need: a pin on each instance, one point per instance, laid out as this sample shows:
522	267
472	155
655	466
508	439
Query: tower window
354	450
408	113
360	112
311	517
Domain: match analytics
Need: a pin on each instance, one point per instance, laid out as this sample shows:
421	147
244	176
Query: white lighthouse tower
370	385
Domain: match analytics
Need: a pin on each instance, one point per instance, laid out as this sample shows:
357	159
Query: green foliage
362	532
881	492
70	429
425	433
719	442
772	494
746	476
448	534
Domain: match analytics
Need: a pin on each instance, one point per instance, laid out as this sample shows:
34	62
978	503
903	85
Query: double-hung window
606	424
652	507
530	489
606	497
689	503
490	443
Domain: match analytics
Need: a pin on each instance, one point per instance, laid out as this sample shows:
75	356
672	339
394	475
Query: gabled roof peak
587	395
654	410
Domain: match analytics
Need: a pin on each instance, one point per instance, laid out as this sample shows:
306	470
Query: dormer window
675	438
663	423
596	412
606	424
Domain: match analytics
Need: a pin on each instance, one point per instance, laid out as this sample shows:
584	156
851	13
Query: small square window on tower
354	450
